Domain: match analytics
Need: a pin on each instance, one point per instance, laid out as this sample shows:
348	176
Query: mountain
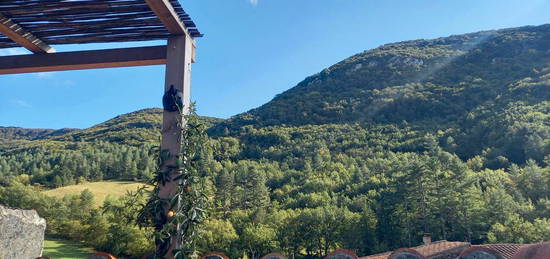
478	94
135	128
441	79
449	136
15	136
483	92
14	133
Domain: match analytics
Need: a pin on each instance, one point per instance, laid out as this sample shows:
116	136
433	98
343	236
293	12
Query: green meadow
63	249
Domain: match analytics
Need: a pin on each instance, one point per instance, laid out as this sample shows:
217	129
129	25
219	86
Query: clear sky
252	50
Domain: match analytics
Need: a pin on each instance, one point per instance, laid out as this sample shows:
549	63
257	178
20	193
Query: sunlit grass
62	249
100	190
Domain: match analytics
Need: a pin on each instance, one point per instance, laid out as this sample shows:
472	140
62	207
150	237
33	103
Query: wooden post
178	74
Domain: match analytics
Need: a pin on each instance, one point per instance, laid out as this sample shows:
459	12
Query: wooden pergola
38	24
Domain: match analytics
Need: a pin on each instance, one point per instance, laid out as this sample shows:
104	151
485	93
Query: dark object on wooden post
70	22
178	77
172	101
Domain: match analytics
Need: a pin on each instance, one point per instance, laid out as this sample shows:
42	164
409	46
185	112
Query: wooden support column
178	74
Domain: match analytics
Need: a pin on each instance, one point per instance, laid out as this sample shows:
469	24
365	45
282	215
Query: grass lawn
62	249
100	189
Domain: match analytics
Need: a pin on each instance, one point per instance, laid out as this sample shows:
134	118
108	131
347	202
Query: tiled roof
377	256
507	251
440	247
431	250
534	251
446	249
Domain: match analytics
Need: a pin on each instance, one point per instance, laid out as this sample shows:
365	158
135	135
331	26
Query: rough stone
21	234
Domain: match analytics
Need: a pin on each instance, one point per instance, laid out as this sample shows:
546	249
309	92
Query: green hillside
448	136
11	137
422	80
118	149
461	86
136	128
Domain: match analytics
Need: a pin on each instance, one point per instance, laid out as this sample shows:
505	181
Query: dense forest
448	136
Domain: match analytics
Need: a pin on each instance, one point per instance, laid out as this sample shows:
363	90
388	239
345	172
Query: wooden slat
83	21
126	57
25	39
168	16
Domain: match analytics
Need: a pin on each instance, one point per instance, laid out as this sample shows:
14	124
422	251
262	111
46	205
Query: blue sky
252	50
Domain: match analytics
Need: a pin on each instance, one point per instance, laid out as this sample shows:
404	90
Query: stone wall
21	234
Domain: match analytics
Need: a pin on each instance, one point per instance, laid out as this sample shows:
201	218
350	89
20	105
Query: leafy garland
179	216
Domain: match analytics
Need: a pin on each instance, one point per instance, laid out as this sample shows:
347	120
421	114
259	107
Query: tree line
301	190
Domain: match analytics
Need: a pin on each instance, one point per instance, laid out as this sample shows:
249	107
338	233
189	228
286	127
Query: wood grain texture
178	74
22	37
93	21
168	16
126	57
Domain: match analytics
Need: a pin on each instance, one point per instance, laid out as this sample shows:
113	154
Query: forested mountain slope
448	136
116	149
483	92
14	136
136	128
29	134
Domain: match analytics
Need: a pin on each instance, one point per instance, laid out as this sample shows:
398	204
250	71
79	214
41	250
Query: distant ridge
135	128
416	81
31	134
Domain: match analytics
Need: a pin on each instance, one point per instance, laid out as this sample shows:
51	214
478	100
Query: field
62	249
100	189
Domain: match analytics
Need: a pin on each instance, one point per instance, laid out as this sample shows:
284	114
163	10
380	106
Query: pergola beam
91	59
168	16
22	37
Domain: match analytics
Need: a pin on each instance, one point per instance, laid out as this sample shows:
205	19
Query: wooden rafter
168	16
126	57
22	37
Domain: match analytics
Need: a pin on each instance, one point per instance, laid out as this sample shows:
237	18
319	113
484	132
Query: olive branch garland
188	208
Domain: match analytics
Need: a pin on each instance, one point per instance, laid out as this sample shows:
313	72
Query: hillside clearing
100	189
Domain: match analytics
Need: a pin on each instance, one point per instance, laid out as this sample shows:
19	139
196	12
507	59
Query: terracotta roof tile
377	256
431	250
440	247
446	249
507	251
534	251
